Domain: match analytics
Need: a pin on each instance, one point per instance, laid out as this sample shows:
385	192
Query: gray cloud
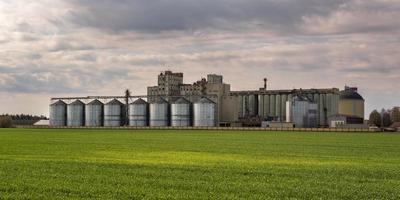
275	16
156	16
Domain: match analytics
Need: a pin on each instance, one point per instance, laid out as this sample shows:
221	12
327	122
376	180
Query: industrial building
207	102
302	112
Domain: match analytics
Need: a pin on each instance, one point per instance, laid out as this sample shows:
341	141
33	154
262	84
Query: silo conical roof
59	102
205	100
95	102
182	100
114	102
161	100
139	101
77	102
351	95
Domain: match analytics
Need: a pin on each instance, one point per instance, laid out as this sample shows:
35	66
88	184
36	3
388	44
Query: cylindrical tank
272	105
204	113
181	112
94	112
114	113
261	105
159	113
266	106
76	113
351	103
138	113
253	105
278	102
58	113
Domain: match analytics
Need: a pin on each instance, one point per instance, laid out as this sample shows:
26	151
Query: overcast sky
101	47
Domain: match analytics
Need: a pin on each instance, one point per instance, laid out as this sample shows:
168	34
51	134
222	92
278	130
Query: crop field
111	164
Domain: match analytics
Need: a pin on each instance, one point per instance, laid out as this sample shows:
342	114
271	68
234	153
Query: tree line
385	118
7	120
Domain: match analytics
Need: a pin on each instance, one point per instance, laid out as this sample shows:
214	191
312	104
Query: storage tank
58	113
114	113
94	112
204	113
138	113
76	113
159	113
351	102
181	112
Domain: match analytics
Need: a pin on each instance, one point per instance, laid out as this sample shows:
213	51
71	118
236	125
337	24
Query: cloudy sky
101	47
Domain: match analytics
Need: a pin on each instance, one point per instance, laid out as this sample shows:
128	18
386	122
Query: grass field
101	164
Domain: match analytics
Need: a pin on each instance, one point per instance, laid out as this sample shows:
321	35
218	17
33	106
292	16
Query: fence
208	128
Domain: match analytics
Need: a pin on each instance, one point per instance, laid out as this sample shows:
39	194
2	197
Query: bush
5	122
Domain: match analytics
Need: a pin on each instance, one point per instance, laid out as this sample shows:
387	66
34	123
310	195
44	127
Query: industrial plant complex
210	102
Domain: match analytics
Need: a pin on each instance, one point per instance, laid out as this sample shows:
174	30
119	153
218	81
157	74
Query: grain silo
94	112
351	103
114	113
181	112
204	113
138	113
58	113
159	112
76	113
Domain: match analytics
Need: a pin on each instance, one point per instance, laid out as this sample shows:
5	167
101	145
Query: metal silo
204	113
114	113
138	113
76	113
159	113
272	105
181	113
253	105
94	112
58	113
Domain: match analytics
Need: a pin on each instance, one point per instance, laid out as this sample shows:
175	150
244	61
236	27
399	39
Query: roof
205	100
59	102
114	102
42	123
95	102
139	101
160	100
182	101
77	102
395	125
351	95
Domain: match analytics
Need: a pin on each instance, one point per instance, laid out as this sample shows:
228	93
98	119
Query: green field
105	164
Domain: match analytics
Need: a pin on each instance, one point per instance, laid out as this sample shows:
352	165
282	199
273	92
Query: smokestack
265	83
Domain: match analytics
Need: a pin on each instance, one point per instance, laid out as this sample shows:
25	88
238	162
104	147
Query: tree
395	117
375	118
386	119
5	122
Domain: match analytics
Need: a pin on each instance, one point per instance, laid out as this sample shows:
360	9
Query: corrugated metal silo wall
181	115
203	115
75	115
113	115
58	115
138	115
159	114
94	115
